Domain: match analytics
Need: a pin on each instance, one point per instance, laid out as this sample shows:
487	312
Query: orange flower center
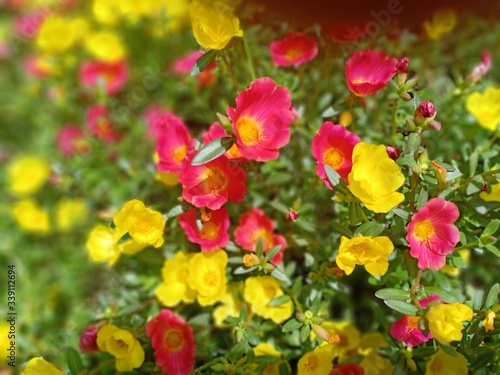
104	126
312	363
333	157
211	278
293	53
179	153
270	292
209	231
342	340
266	236
413	322
424	230
173	340
359	250
249	130
216	180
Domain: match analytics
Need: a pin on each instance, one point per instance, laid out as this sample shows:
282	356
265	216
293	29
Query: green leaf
259	249
292	325
284	370
423	352
447	348
280	300
271	253
486	356
423	197
203	62
250	336
340	229
371	228
297	287
243	313
473	163
446	295
232	320
335	179
304	332
393	293
491	228
355	213
74	361
212	150
413	142
401	306
492	297
475	185
477	339
407	159
177	210
238	350
493	249
242	270
280	275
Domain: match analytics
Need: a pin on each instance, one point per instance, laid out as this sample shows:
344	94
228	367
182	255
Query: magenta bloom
216	131
213	234
212	184
431	233
333	146
28	24
100	125
294	49
184	65
112	75
71	140
368	71
173	342
406	330
255	224
261	119
88	339
173	143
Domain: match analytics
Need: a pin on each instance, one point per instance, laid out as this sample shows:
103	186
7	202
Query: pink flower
173	143
184	65
32	66
294	49
261	119
333	146
406	330
112	75
88	339
213	234
71	140
368	71
431	233
212	184
216	131
28	25
100	125
347	369
482	68
253	225
173	342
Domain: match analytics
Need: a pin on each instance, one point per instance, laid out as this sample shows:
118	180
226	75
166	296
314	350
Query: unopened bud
219	367
334	272
402	67
424	113
434	125
406	96
393	152
268	267
411	125
317	320
250	260
292	215
88	339
417	169
300	316
308	314
224	121
441	172
423	158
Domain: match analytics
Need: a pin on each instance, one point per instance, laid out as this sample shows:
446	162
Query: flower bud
434	125
393	152
481	69
88	339
250	260
268	267
441	172
300	316
424	113
402	67
423	158
292	215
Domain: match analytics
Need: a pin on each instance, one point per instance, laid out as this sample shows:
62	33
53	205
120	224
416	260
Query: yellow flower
375	177
207	275
446	320
144	225
231	306
489	320
259	291
5	342
441	363
345	118
31	217
105	46
213	23
169	179
454	271
57	34
38	365
106	11
348	337
102	244
443	22
319	361
268	349
27	174
371	252
372	362
486	107
174	287
71	213
122	345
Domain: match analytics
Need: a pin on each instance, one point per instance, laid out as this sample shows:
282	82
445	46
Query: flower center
312	363
182	274
359	251
266	236
437	366
211	278
293	53
179	153
424	230
209	231
249	130
270	292
334	157
173	340
413	321
216	180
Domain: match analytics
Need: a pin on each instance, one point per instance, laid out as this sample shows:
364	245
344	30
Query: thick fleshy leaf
203	62
212	150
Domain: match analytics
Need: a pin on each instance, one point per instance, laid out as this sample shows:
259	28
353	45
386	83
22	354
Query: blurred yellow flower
71	213
371	252
454	271
489	320
259	291
105	46
144	225
486	107
230	306
106	11
174	287
348	337
441	363
31	217
268	349
27	174
372	362
446	320
213	23
57	34
375	177
345	118
319	361
207	275
122	345
38	366
169	179
102	244
442	22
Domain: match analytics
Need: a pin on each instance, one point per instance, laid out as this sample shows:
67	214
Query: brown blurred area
409	13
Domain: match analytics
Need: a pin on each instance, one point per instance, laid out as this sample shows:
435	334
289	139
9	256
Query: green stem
414	180
206	365
413	291
467	245
484	174
101	366
230	69
249	59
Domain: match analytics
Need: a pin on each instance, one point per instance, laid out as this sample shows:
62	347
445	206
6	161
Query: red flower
213	234
112	75
173	343
342	32
88	339
184	65
368	71
216	131
333	146
406	330
347	369
173	143
431	233
253	225
294	49
100	125
261	119
212	184
71	140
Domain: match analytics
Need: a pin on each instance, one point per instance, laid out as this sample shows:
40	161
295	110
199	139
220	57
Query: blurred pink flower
184	65
213	233
27	25
294	49
100	125
112	75
71	140
482	68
